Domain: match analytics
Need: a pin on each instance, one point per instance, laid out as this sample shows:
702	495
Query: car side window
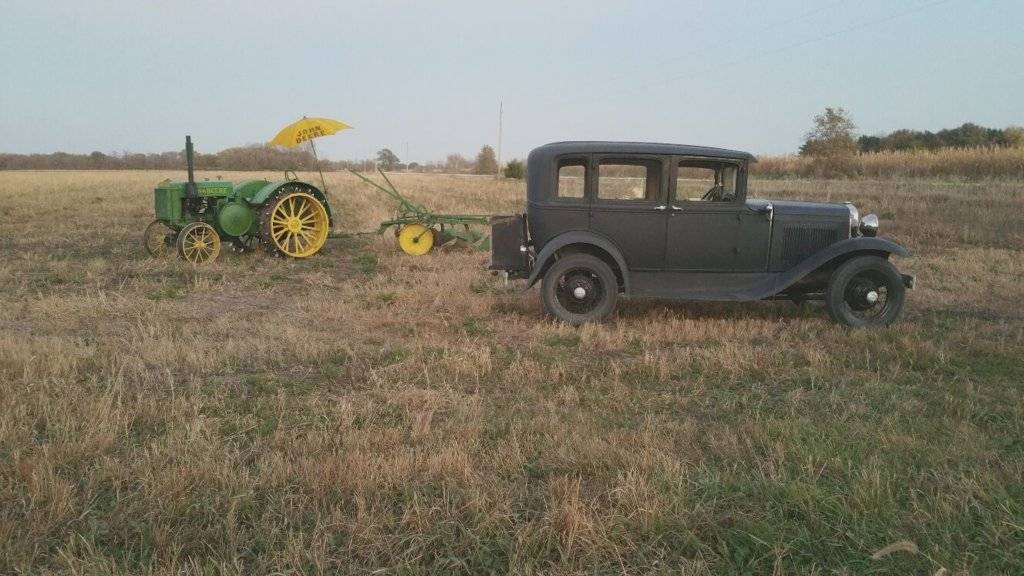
706	181
572	178
638	180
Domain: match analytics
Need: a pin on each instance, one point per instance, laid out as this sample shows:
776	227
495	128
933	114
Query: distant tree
414	166
968	135
869	143
455	163
515	169
1014	136
98	159
486	163
832	135
387	159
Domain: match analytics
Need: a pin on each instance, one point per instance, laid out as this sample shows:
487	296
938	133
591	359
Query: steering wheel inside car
714	194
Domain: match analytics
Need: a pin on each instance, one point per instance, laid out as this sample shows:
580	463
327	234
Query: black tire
866	292
597	284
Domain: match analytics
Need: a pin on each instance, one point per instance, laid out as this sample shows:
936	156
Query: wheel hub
293	224
863	294
580	292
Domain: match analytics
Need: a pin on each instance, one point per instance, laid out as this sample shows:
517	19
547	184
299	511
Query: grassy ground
364	410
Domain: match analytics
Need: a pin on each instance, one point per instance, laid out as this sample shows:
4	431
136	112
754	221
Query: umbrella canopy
306	129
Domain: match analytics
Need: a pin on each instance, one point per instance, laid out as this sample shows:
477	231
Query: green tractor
288	218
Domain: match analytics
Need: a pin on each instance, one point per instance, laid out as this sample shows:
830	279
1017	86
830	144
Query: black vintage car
673	221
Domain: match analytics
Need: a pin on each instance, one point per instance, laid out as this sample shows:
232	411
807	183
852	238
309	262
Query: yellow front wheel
198	243
416	239
295	224
156	238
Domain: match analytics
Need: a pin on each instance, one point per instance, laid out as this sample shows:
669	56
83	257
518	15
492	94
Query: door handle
661	208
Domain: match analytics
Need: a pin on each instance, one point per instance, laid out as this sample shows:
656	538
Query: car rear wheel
866	292
579	289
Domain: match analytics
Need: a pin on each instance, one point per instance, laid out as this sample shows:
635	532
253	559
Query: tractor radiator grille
799	243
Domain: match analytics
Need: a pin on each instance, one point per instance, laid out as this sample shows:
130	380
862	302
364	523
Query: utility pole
501	109
407	154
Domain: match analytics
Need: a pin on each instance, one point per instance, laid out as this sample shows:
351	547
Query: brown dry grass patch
364	410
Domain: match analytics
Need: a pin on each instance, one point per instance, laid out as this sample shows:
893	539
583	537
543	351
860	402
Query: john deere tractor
288	218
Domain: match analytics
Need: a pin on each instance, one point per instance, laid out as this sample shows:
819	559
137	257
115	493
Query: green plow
418	228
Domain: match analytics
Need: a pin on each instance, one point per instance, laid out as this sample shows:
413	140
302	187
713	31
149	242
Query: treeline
255	157
966	136
952	163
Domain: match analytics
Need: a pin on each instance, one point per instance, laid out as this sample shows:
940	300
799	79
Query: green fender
261	196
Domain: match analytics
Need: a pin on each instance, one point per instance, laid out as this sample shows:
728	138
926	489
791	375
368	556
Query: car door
629	206
707	215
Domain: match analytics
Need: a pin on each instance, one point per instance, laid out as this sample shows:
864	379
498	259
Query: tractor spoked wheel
415	239
158	239
294	223
198	243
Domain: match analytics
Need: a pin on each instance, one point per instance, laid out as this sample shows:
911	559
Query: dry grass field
365	411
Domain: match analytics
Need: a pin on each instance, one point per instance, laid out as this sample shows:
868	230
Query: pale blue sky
101	75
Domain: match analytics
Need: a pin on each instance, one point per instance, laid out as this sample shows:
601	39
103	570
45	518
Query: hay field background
364	410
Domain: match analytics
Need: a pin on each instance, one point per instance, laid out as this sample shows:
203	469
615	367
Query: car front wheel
580	288
866	292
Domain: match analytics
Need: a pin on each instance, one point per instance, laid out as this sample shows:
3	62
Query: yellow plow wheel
198	243
297	225
416	239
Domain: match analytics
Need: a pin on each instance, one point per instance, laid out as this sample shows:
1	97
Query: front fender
261	196
849	246
547	253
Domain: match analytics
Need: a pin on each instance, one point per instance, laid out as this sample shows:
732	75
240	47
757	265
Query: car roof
601	147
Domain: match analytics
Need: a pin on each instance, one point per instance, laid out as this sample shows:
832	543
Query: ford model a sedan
672	221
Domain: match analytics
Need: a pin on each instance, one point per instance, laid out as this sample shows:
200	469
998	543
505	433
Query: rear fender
271	188
585	240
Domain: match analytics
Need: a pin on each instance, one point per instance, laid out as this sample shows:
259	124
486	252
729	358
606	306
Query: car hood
792	207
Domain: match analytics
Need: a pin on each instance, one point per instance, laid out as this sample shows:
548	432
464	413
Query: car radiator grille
799	243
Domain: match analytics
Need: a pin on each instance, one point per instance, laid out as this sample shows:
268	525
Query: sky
425	78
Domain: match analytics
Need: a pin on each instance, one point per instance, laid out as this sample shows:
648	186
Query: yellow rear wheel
296	224
416	239
198	243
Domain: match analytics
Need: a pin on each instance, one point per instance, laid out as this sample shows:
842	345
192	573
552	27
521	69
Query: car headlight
869	225
854	218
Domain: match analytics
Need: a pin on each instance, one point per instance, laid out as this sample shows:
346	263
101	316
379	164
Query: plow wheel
415	239
156	238
198	243
294	223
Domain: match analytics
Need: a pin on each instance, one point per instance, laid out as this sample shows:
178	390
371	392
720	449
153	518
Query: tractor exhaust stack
190	188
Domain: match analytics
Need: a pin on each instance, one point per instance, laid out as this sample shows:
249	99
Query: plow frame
449	226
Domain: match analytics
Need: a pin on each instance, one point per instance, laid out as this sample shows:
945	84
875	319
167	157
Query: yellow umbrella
307	129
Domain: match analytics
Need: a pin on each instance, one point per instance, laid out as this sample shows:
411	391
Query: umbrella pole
317	158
